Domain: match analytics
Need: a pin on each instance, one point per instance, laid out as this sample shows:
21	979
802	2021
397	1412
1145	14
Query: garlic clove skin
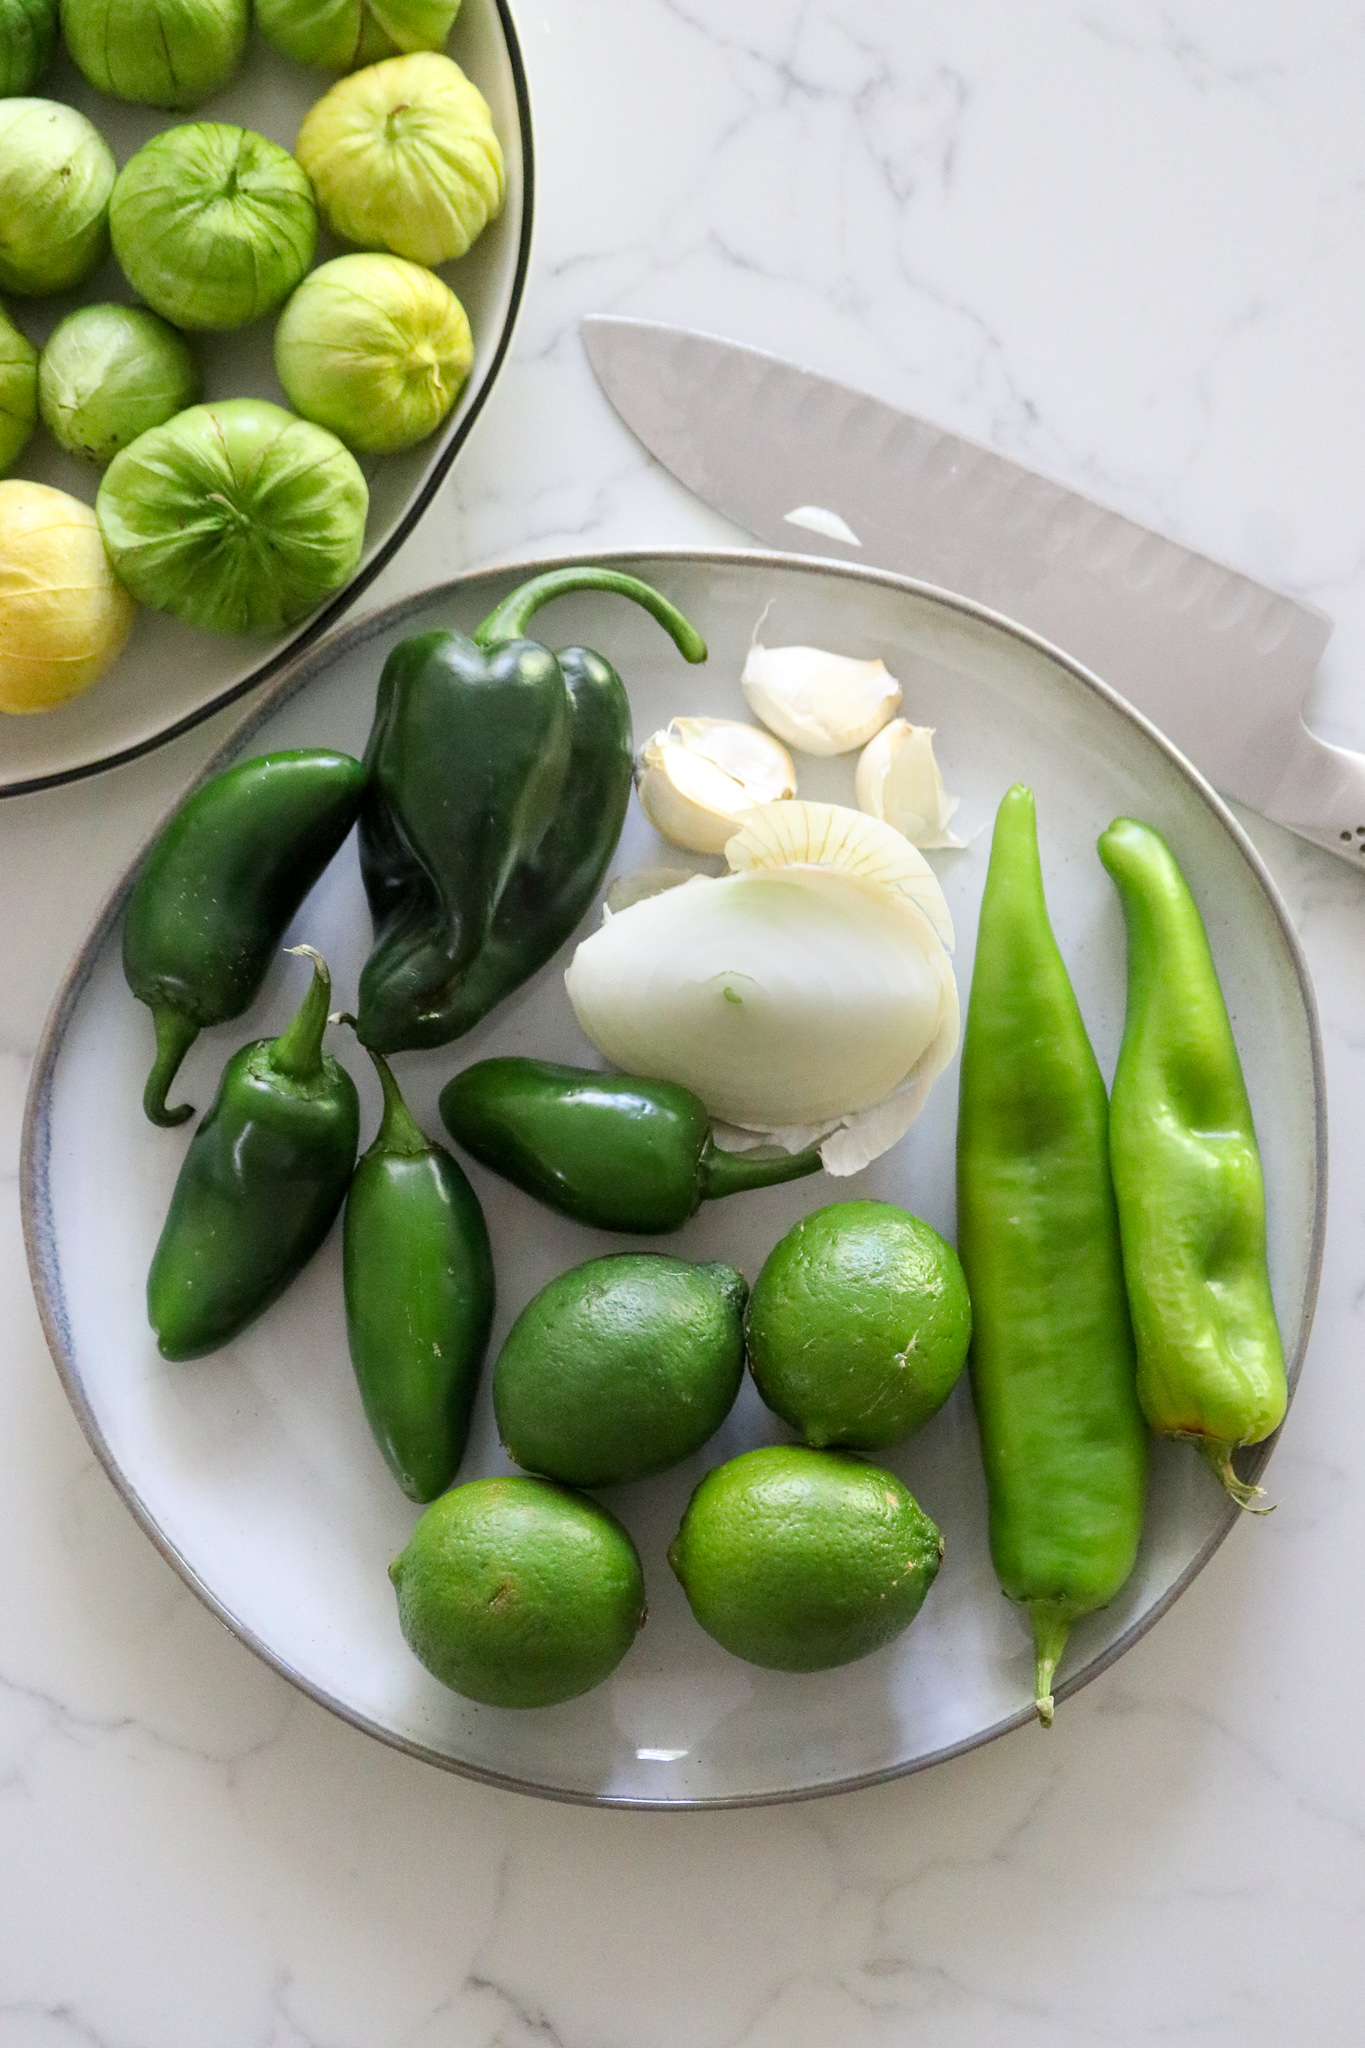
818	703
699	777
898	780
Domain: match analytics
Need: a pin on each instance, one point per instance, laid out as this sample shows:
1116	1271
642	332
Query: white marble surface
1122	238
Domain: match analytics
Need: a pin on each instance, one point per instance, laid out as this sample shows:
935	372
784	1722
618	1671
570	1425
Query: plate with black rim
170	676
253	1470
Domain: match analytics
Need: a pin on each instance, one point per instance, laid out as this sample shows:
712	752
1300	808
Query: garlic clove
898	780
699	777
820	703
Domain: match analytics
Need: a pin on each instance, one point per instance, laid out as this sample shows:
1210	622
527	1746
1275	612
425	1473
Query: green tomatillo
213	225
376	348
340	35
157	53
28	37
109	373
403	156
234	516
56	175
18	392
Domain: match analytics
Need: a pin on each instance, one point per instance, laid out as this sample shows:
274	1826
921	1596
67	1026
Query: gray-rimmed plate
253	1472
171	676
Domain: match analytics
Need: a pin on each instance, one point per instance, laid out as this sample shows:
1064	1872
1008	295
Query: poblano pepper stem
612	1150
509	620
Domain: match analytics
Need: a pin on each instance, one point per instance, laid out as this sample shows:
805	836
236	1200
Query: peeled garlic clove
700	776
898	780
820	703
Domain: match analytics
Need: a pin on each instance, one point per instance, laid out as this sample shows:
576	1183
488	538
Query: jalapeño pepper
612	1150
419	1297
218	889
499	778
261	1184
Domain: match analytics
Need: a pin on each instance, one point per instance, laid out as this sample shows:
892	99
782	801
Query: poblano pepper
259	1189
217	892
611	1150
1051	1359
1187	1173
499	779
419	1297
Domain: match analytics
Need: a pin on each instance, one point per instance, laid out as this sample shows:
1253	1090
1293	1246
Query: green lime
518	1592
621	1367
801	1559
858	1325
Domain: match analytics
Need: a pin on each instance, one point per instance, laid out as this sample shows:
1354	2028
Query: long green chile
1052	1367
419	1297
260	1186
1187	1174
219	889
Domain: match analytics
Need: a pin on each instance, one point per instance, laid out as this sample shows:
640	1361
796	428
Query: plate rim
303	667
326	618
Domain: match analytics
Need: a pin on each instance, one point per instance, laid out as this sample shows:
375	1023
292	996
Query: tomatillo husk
18	392
28	37
63	617
341	34
56	175
157	53
212	225
109	373
376	348
235	516
403	156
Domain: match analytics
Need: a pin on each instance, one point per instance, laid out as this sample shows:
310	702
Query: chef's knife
1218	662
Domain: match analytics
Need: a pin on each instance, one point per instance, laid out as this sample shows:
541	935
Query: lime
802	1559
621	1367
519	1593
858	1325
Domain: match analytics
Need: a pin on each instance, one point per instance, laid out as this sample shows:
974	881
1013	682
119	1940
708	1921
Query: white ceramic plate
171	676
253	1470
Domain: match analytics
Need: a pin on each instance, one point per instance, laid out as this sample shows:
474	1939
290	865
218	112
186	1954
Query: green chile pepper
261	1185
499	779
1187	1173
419	1297
1051	1358
218	890
610	1150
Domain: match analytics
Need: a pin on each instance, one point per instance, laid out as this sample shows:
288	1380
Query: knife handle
1320	794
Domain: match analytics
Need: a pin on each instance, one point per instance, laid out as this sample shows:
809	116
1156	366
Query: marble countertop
1121	239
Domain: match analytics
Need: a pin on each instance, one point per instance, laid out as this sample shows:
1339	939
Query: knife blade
1216	660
